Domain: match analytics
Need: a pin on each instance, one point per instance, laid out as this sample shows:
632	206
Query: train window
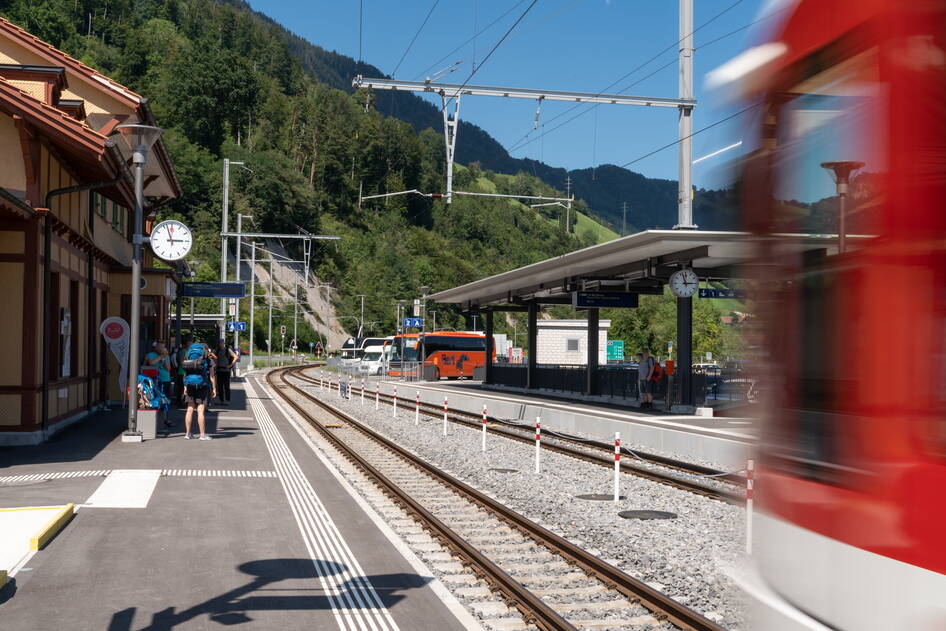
833	116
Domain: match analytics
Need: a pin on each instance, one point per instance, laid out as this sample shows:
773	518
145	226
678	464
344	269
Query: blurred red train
851	482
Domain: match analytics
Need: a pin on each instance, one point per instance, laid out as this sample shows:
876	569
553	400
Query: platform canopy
639	262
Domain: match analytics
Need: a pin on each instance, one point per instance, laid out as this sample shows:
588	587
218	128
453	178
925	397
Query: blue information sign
614	299
214	290
738	294
236	326
413	323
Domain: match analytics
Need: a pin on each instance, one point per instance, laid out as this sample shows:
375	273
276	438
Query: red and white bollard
617	466
749	483
445	416
394	403
417	407
538	441
348	392
377	396
321	376
483	447
362	390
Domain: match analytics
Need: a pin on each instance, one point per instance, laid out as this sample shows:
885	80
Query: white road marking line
125	488
362	605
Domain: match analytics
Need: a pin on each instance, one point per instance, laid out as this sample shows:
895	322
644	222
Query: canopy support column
684	365
591	370
531	377
488	373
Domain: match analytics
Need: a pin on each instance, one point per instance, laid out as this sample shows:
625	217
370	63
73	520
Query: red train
851	480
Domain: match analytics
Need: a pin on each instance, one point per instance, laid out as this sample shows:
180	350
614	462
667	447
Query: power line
475	35
640	66
414	39
493	49
698	131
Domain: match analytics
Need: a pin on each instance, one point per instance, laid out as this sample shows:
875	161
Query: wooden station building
66	221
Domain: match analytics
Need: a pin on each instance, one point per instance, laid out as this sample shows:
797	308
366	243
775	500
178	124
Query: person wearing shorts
197	399
645	370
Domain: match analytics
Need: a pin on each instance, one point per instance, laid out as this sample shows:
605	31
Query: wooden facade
65	236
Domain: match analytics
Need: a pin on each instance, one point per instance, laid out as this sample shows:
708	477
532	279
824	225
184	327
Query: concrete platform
249	529
725	441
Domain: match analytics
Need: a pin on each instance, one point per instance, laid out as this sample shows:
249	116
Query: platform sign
616	350
413	323
738	294
213	290
235	326
611	299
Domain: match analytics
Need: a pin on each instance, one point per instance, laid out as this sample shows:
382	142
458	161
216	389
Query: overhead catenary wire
491	51
637	68
698	131
416	35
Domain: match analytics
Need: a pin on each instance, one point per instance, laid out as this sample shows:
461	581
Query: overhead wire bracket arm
455	89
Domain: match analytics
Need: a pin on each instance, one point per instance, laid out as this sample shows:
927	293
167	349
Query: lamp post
227	163
139	139
423	289
236	313
841	172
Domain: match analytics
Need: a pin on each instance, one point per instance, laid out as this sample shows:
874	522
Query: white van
374	360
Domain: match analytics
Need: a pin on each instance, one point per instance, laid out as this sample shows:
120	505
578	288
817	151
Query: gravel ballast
682	557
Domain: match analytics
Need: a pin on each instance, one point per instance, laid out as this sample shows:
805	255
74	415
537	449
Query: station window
572	345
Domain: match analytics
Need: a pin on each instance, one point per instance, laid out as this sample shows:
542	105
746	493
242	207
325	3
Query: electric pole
568	204
624	221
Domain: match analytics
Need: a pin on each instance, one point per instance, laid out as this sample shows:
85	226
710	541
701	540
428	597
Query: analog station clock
171	240
684	283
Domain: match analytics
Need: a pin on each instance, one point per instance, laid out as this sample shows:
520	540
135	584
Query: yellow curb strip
10	510
3	578
52	527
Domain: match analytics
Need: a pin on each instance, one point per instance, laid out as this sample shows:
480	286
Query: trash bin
148	423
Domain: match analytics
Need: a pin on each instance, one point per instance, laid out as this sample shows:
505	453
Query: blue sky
581	45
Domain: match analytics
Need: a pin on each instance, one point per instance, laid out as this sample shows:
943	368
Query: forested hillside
226	82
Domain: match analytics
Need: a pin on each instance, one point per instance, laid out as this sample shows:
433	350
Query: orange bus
450	354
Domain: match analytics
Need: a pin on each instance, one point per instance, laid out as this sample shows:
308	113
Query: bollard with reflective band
483	448
362	391
394	403
617	466
417	408
445	416
348	391
749	483
538	441
377	396
321	376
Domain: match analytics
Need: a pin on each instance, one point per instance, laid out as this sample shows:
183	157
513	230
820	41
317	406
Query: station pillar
591	366
684	367
488	370
533	333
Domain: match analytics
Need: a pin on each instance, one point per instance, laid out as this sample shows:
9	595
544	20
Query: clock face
171	240
684	283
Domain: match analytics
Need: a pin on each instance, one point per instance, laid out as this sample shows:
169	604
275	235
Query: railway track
553	583
592	451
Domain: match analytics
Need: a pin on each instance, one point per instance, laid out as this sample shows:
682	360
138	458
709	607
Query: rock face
318	312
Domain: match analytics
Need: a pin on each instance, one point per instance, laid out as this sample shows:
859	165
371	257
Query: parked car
374	360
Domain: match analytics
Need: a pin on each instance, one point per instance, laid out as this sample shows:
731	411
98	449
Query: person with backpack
158	358
200	386
646	365
225	358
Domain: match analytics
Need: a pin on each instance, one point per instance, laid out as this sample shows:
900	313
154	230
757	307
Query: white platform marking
125	488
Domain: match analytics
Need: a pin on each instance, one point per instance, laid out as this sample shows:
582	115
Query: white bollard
417	407
538	441
483	448
394	403
321	375
362	390
445	416
617	466
749	483
377	396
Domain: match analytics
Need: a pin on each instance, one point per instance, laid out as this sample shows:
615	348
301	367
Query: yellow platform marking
53	526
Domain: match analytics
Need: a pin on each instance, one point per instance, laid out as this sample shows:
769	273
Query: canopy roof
639	262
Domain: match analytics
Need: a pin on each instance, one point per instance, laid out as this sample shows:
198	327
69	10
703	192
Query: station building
66	215
565	342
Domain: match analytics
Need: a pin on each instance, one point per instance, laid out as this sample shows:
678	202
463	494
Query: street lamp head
139	139
840	172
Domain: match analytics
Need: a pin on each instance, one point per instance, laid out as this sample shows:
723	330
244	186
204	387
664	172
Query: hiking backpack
658	370
196	367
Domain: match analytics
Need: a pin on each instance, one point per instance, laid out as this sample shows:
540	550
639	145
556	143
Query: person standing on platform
158	358
200	386
226	357
645	371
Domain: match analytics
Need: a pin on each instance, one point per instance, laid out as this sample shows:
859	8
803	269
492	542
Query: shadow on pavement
263	593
